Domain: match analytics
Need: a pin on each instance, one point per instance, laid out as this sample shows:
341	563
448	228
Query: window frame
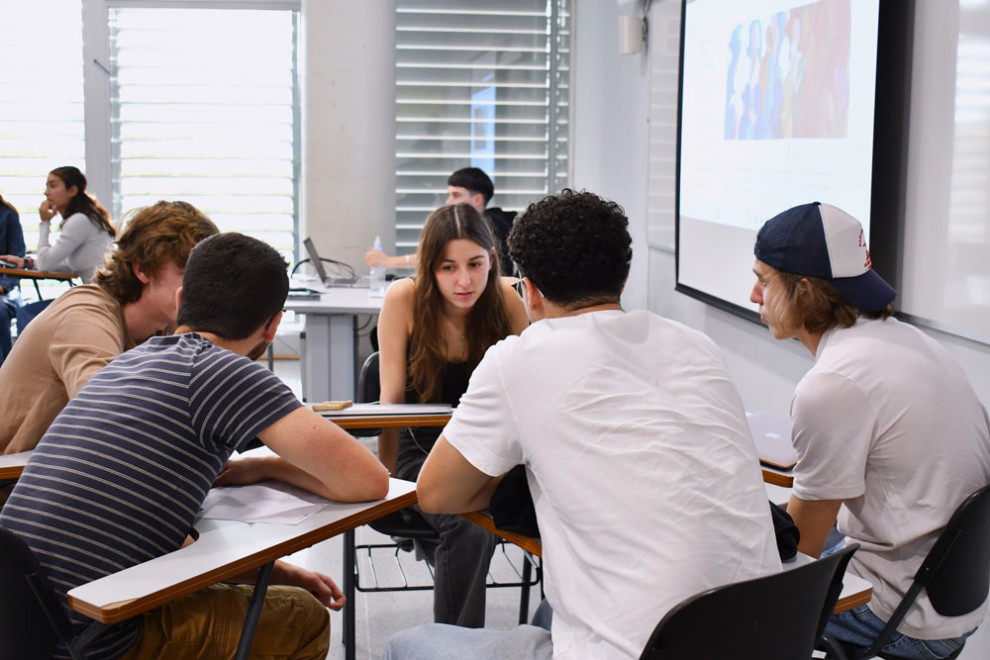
99	145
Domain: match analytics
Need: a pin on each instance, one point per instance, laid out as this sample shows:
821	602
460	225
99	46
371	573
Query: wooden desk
776	477
36	275
11	465
328	354
772	437
224	549
379	416
855	590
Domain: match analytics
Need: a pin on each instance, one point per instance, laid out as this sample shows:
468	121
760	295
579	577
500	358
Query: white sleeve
834	426
74	233
482	427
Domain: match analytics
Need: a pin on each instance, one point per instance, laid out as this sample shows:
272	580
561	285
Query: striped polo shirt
122	471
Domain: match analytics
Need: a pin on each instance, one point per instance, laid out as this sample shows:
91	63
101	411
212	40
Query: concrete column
348	127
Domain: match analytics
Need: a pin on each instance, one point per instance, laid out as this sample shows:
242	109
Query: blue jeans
440	641
8	312
861	627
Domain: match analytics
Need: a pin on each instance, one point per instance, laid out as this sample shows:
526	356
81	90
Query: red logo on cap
868	264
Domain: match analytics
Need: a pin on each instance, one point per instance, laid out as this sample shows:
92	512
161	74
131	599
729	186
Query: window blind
41	107
204	109
479	84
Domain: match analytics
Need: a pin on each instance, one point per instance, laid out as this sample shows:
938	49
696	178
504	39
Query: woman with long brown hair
433	331
85	235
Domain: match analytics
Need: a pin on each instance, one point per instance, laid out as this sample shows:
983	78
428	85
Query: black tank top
415	444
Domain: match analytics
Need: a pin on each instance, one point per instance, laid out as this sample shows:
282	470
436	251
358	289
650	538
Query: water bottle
376	279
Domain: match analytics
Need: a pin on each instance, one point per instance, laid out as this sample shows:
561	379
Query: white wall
611	134
348	127
610	123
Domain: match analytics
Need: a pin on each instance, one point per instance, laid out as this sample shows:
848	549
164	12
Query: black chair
778	616
32	622
405	527
955	575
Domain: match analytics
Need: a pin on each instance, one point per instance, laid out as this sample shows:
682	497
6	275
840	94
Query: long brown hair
816	307
487	321
83	202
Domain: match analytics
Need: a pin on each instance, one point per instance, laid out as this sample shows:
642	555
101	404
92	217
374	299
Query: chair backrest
778	616
405	523
956	572
368	391
369	383
31	620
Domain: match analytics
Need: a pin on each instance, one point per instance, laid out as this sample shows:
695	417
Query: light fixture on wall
630	34
633	29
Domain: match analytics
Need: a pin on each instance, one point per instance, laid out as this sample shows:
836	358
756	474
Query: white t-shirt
79	248
644	475
886	421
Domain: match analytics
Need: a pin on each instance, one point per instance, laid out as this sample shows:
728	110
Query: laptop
346	278
772	436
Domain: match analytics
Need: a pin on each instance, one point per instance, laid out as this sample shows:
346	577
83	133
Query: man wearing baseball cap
890	435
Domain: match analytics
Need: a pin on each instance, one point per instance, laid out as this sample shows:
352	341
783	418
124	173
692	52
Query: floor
379	615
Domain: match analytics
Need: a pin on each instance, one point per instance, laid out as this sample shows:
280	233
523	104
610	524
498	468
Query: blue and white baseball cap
826	242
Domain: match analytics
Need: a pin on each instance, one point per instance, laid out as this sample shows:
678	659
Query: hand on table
321	586
14	259
47	211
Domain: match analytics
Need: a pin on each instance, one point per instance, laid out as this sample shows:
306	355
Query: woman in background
12	243
433	331
85	235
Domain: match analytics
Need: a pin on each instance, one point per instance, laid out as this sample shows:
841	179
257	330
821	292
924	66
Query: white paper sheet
268	501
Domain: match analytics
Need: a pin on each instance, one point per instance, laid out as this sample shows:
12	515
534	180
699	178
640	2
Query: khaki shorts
207	625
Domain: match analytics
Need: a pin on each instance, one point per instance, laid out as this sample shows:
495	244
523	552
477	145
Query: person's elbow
380	485
431	500
372	486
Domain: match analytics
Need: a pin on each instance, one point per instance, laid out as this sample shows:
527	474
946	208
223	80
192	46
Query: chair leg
833	650
527	572
254	611
348	633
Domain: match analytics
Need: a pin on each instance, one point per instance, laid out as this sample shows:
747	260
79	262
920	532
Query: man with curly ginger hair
132	298
635	445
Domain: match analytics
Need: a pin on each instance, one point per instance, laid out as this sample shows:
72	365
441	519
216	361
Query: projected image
787	74
777	108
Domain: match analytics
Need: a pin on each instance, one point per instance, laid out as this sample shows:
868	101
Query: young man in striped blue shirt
119	476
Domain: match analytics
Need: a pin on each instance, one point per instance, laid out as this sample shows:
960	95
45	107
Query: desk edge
525	542
121	610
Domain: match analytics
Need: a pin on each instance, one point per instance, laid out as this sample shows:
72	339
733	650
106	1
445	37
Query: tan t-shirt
79	333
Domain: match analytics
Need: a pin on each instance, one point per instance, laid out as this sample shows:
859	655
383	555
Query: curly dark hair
574	246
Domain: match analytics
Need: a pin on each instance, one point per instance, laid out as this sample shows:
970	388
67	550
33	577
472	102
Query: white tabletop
11	465
224	549
338	300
